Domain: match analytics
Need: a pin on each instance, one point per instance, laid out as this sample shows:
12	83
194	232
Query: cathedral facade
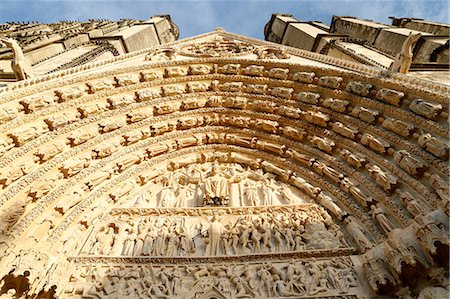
313	164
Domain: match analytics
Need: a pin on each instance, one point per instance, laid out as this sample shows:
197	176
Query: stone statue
22	70
215	231
403	60
381	218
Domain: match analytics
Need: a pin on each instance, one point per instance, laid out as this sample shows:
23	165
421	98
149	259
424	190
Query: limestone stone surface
221	166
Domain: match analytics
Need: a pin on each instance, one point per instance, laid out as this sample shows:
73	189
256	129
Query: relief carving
390	96
120	101
304	77
367	115
359	88
330	81
322	143
278	73
128	79
377	144
344	130
335	104
397	126
409	163
317	118
308	97
384	178
424	108
433	145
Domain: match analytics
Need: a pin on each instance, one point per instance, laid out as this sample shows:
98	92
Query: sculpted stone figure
127	79
197	87
256	88
12	173
357	234
230	69
57	121
304	77
384	178
215	231
193	103
278	73
34	103
105	149
328	203
170	90
323	143
95	86
166	108
424	108
377	144
151	75
390	96
264	106
199	69
109	125
412	205
70	93
359	88
397	126
42	187
253	70
176	72
439	185
335	104
433	145
28	132
48	151
355	159
305	186
22	70
317	118
344	130
409	163
330	81
403	60
11	216
291	112
75	165
282	92
326	170
93	108
130	159
115	102
367	115
81	136
308	97
381	218
147	94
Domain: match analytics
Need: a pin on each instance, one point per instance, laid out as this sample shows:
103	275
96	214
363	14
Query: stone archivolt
235	156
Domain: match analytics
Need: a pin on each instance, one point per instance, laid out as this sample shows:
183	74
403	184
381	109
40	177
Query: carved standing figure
21	68
403	60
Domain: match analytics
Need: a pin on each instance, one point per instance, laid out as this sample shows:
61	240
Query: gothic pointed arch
222	166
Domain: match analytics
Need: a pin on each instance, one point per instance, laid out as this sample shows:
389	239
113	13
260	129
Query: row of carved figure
214	184
418	106
298	278
73	166
244	235
404	159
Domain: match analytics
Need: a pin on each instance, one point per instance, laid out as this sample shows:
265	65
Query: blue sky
243	17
